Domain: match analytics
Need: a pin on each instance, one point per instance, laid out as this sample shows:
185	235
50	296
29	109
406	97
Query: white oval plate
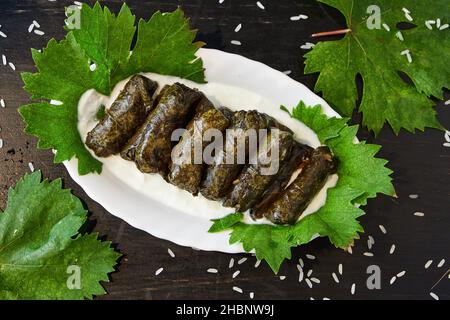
164	222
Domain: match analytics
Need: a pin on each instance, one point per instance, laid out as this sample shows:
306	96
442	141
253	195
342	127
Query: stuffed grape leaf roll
188	172
229	162
256	178
154	148
129	151
293	200
126	114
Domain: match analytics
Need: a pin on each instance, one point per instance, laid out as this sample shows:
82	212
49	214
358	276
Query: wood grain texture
420	162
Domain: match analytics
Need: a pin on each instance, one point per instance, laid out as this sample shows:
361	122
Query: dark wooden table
421	164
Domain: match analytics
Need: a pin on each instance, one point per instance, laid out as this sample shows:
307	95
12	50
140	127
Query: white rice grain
282	277
238	27
444	26
413	196
441	263
36	24
159	271
287	72
309	283
382	228
307	46
171	253
428	264
315	280
447	103
401	274
4	60
241	261
311	257
1	143
2	34
300	261
392	250
309	273
434	296
12	66
31	166
260	5
235	274
237	289
236	42
2	103
341	269
353	289
419	214
258	262
335	277
399	35
368	254
30	28
39	32
300	276
221	1
385	26
231	263
212	270
252	295
393	280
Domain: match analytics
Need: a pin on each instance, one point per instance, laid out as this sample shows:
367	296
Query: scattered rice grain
368	254
419	214
235	42
434	296
257	263
171	253
444	26
238	27
12	66
159	271
31	166
382	228
413	196
353	289
315	280
1	143
237	289
335	277
4	60
252	295
428	264
300	261
441	263
241	261
385	26
231	263
341	268
30	28
392	250
39	32
311	257
309	283
2	103
260	5
393	280
309	273
3	34
282	277
235	274
401	274
212	270
36	24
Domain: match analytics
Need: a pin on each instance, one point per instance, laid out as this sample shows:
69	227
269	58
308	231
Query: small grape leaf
41	251
376	55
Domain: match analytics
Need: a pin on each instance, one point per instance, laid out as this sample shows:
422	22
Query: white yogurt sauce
153	185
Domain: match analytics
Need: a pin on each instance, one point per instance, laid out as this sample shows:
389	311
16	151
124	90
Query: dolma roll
153	152
248	189
129	151
288	207
188	174
220	175
297	159
126	114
